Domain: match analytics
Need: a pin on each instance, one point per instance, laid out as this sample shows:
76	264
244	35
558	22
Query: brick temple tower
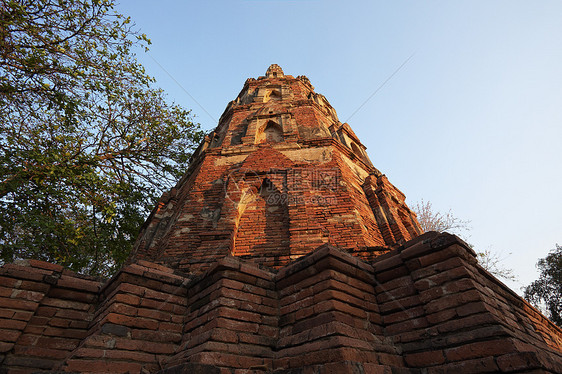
281	251
278	177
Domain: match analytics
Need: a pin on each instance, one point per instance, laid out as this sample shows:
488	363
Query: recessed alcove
271	132
263	225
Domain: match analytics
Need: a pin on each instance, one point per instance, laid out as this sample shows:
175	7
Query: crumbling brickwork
279	176
45	312
283	251
425	307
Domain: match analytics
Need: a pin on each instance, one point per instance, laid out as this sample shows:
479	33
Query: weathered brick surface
326	312
278	177
136	325
282	250
232	309
44	315
447	314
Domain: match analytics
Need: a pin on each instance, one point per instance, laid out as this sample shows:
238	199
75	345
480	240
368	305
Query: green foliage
86	143
547	290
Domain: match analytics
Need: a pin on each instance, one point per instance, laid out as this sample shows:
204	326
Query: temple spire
278	177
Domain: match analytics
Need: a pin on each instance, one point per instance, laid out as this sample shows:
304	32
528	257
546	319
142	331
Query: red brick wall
425	306
137	325
232	318
446	313
328	316
45	312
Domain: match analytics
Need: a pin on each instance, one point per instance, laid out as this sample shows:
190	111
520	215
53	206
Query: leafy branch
87	144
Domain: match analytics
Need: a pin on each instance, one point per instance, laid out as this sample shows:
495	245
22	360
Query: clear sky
471	122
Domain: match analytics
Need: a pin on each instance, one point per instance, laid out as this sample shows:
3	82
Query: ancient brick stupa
278	177
281	250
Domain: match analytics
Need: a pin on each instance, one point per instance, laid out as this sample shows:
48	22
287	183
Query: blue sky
472	122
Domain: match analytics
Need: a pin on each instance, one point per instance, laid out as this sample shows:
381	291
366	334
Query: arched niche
262	225
272	95
271	133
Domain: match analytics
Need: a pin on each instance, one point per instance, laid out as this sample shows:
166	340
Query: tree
86	142
493	262
547	290
430	220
